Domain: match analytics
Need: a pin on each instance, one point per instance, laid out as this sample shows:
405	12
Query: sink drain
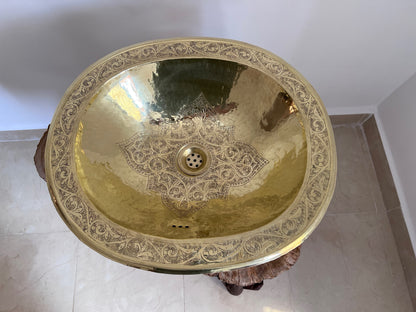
192	159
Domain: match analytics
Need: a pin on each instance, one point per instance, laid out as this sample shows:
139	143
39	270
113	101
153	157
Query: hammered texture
233	163
133	248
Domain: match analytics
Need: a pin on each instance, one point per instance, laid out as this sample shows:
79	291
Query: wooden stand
39	157
252	277
235	281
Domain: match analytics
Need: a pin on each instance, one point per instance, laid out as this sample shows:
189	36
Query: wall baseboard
390	189
21	135
351	110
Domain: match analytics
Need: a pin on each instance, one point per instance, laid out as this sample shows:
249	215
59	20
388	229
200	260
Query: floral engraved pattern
202	255
233	163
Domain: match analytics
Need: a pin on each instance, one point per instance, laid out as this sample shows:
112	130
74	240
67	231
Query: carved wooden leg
39	157
235	281
256	286
234	290
252	277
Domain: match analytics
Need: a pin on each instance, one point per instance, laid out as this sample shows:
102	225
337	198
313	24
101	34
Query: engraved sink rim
188	256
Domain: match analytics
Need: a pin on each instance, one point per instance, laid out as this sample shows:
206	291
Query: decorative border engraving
233	163
192	255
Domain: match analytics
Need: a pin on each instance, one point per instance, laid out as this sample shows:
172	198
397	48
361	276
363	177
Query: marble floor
350	262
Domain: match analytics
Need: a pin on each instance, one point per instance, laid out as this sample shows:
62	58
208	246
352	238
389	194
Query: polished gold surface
191	155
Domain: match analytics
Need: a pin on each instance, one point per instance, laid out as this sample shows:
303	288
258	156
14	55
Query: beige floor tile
320	278
377	152
345	266
104	285
37	272
350	263
353	192
26	206
377	282
204	293
376	193
403	250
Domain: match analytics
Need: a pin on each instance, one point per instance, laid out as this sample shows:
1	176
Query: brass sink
191	155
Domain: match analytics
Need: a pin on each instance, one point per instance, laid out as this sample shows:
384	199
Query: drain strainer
193	159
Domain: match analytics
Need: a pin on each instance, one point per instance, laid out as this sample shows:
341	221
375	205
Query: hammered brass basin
191	155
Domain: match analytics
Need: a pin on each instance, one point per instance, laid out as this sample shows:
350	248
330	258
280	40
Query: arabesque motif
233	163
200	255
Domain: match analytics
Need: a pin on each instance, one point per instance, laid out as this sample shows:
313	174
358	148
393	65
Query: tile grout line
342	250
75	277
365	119
292	306
380	211
39	233
398	207
367	151
349	125
19	140
386	212
344	257
183	292
344	126
348	213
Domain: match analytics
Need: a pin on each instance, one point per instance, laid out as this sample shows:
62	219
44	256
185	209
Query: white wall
396	119
355	53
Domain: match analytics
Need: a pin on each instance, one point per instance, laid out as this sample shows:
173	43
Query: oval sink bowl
191	156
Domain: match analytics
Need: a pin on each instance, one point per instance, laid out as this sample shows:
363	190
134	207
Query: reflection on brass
280	110
191	155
